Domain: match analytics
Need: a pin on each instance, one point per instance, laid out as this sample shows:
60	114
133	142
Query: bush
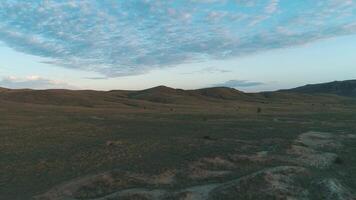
259	110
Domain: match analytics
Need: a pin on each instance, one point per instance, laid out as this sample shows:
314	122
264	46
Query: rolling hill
160	94
342	88
165	95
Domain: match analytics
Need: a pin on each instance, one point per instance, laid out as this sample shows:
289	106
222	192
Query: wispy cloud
238	83
209	70
272	6
121	38
96	78
34	82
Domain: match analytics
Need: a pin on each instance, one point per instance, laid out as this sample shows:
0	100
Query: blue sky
251	45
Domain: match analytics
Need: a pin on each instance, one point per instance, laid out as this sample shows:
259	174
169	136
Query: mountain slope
85	98
162	94
223	93
342	88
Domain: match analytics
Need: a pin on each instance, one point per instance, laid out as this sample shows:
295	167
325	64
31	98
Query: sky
250	45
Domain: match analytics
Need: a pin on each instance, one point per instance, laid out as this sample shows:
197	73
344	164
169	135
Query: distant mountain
163	94
342	88
159	94
167	95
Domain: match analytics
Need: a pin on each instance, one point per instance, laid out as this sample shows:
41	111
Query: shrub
259	110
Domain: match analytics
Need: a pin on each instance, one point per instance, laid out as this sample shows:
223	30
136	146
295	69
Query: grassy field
169	144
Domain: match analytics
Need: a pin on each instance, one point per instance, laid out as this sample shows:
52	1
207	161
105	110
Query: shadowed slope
342	88
224	93
163	94
160	94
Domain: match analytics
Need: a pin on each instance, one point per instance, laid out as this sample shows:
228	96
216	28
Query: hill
59	97
224	93
165	95
342	88
160	94
3	89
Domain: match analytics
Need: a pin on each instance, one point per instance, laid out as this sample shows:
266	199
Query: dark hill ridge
60	97
221	93
163	94
167	95
342	88
160	94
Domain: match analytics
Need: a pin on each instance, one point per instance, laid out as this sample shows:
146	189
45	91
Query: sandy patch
308	149
311	157
165	178
261	156
274	183
200	174
218	162
68	190
135	194
333	189
317	140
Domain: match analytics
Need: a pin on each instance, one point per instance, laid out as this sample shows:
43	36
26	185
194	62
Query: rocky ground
216	177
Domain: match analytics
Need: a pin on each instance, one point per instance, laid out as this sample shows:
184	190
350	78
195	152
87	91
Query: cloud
96	78
209	70
272	6
122	38
238	83
33	82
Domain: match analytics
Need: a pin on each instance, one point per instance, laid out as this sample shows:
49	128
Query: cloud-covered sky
114	39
